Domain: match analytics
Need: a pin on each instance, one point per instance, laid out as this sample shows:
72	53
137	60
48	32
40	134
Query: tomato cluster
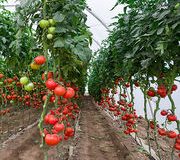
59	122
13	93
123	108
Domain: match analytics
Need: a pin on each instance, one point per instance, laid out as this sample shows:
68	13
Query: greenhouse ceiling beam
96	42
99	19
9	5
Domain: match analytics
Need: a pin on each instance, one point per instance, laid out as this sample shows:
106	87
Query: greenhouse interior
89	79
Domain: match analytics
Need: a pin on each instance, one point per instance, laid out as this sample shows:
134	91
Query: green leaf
60	30
145	63
4	40
175	25
160	31
59	43
163	14
83	53
58	17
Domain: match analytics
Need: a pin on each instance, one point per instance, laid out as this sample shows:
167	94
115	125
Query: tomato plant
140	52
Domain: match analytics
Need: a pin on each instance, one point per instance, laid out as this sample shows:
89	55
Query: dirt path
97	140
24	147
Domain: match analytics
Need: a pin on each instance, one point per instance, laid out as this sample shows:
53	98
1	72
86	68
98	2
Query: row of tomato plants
141	51
60	53
57	120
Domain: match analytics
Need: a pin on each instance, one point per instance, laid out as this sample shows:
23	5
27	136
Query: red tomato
162	91
69	93
51	84
59	127
50	119
59	90
177	146
40	60
171	134
130	105
69	132
162	131
164	112
52	139
174	87
49	75
172	117
151	93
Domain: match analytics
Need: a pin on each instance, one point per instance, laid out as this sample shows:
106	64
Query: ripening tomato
34	66
1	75
66	138
65	111
9	80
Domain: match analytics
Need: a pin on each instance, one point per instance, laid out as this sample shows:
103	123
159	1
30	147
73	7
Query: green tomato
177	5
52	22
14	83
44	23
11	101
24	80
29	86
1	83
49	36
51	30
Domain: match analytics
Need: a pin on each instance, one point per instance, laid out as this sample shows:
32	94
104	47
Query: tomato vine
142	50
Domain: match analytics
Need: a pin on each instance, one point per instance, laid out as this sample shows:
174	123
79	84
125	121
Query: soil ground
96	138
17	120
